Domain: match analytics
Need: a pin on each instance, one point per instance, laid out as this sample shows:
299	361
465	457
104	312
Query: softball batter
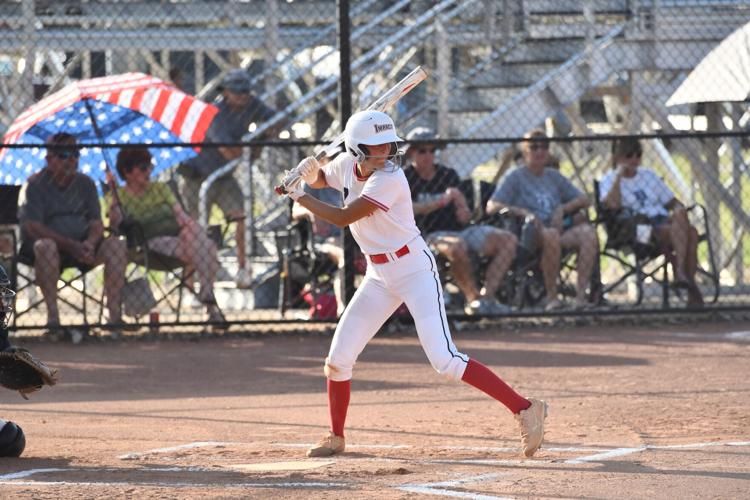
400	268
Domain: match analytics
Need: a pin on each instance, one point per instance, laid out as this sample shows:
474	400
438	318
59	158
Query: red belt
382	258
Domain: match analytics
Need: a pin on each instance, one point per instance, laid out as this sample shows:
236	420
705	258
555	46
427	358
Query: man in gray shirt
61	226
543	195
237	110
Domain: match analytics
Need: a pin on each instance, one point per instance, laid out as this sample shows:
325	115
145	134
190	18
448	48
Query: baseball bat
382	103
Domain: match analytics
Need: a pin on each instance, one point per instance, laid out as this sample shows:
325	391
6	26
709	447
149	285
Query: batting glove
297	192
308	169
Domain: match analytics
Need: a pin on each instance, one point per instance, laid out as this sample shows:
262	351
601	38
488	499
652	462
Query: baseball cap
420	134
236	80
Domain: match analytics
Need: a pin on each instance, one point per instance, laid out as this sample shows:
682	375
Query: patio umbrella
722	76
131	108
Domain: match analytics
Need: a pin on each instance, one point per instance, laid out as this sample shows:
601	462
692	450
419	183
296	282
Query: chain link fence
183	116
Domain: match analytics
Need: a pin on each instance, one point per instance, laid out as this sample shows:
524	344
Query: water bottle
528	234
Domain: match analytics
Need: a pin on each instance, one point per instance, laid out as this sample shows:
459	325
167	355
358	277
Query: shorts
26	256
474	236
225	193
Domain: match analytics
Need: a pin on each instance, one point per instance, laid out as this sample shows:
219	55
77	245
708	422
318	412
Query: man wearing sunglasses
550	201
443	215
640	190
61	227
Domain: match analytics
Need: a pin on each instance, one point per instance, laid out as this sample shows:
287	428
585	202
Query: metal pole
345	108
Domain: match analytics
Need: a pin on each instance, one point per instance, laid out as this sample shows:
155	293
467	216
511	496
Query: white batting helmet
369	128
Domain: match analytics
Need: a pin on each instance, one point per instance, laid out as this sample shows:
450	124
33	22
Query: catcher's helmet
7	298
12	440
370	128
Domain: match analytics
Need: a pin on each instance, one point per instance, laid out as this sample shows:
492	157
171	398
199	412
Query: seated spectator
238	109
163	224
61	226
542	195
326	236
640	190
443	215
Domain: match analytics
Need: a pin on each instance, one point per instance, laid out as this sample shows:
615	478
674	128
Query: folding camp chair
642	262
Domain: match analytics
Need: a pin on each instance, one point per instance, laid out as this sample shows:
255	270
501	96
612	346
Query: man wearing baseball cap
443	216
238	109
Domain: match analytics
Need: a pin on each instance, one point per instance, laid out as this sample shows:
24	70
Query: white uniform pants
412	279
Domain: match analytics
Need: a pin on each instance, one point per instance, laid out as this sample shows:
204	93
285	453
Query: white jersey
645	192
391	226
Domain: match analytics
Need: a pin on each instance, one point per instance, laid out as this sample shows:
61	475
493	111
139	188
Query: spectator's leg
501	246
113	253
228	195
47	272
336	254
583	239
550	262
691	259
198	250
456	251
679	233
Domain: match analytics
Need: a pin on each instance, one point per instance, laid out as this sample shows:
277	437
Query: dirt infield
634	413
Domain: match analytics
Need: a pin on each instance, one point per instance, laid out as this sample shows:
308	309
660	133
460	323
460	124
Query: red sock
338	403
485	380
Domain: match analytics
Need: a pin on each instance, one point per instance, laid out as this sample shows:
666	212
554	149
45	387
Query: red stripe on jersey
376	203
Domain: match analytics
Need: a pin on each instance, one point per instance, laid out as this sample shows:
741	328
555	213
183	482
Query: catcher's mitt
22	372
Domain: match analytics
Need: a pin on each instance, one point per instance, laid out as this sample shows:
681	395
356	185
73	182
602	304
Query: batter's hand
296	192
308	169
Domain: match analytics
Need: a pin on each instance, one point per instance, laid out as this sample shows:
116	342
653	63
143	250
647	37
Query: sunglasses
65	154
633	154
538	147
426	150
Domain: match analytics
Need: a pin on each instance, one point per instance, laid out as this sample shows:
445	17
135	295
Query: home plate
280	466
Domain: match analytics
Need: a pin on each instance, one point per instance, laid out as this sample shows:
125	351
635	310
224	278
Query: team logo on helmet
383	127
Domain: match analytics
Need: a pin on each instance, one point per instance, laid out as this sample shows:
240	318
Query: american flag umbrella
132	108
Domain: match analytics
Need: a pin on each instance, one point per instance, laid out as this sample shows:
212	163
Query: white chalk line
620	452
441	488
161	484
197	444
12	479
437	489
742	336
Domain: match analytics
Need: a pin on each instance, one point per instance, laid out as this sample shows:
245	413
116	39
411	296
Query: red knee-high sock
338	403
485	380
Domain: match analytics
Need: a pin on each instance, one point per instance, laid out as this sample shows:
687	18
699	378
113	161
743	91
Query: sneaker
531	423
329	445
486	307
77	335
244	279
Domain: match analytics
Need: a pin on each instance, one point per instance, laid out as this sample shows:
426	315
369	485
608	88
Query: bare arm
576	204
613	200
340	217
494	206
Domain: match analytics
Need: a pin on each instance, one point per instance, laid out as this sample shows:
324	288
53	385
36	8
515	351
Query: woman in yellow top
166	228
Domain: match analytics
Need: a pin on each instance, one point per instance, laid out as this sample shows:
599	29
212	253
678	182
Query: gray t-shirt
227	126
540	194
66	211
